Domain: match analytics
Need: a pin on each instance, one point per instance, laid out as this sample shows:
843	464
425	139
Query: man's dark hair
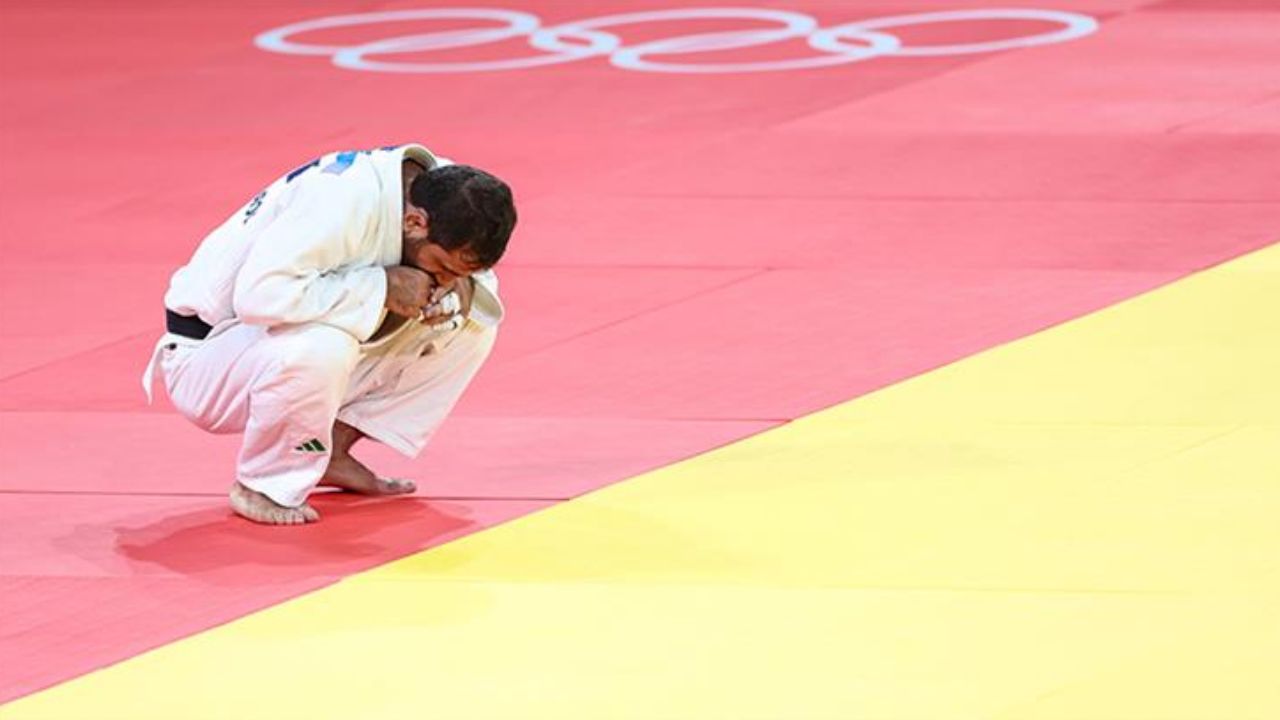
467	207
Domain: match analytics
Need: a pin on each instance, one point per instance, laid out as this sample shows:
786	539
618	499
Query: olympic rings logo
581	39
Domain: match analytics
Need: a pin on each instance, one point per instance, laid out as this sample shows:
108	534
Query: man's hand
450	304
409	290
465	288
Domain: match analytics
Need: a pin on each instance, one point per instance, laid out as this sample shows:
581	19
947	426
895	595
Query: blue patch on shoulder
341	162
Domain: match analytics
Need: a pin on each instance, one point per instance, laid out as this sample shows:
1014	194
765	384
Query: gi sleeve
302	267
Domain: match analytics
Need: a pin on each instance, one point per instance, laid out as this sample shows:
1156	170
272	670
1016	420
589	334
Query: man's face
445	266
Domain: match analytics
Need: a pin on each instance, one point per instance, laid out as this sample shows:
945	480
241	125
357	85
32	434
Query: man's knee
313	353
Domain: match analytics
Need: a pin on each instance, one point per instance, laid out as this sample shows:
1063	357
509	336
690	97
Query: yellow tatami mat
1081	524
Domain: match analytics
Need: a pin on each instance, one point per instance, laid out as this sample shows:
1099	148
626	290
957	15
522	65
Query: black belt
187	326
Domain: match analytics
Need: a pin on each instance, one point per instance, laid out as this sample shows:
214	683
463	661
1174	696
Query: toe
261	509
396	486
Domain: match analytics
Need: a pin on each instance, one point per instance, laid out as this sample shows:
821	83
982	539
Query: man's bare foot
351	475
259	508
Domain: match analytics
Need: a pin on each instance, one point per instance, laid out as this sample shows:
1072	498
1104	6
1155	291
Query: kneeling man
353	297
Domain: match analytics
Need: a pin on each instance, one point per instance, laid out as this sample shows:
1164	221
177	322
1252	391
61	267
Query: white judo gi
293	286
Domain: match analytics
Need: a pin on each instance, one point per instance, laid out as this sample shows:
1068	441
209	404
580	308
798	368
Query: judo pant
284	387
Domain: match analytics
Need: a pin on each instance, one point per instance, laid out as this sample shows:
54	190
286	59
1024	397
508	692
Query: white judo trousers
284	387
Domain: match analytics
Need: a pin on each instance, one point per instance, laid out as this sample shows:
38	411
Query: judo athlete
352	298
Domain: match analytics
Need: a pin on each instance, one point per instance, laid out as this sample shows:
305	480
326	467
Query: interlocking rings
582	39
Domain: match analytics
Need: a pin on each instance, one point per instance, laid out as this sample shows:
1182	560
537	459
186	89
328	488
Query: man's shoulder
344	175
337	193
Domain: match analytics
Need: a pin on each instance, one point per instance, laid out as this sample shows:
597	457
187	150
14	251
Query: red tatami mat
700	257
472	457
904	233
779	361
547	308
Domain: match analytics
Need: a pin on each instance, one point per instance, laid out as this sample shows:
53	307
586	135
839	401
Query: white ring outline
795	25
549	39
351	57
518	23
1075	26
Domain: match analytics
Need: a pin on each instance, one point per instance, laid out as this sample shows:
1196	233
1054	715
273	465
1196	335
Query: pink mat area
700	258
